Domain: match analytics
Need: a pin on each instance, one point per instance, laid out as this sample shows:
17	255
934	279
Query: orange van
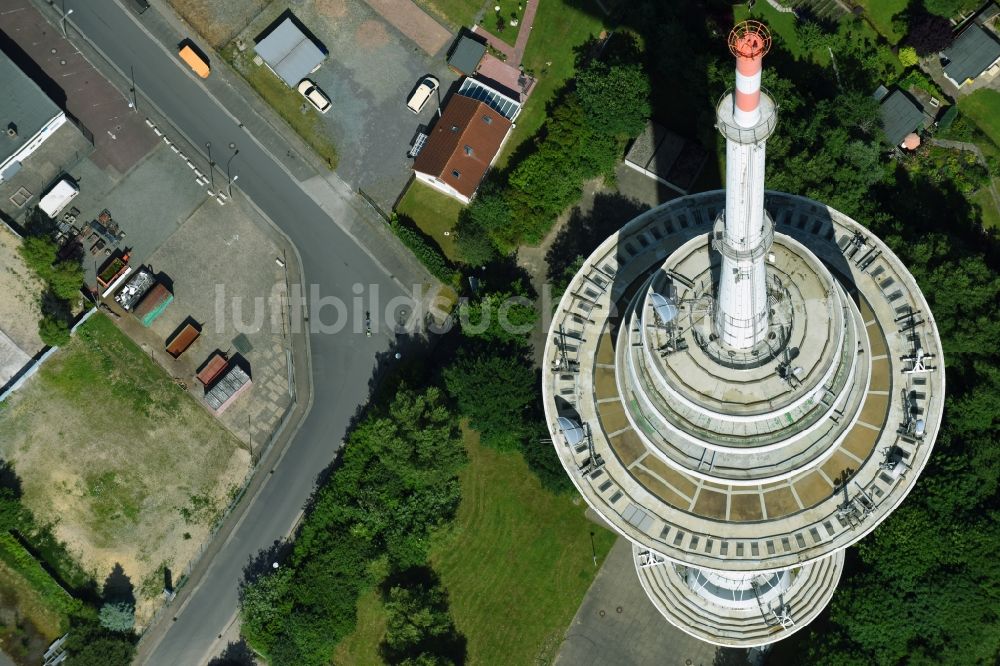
195	61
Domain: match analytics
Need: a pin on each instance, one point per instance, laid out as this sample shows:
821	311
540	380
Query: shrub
908	56
948	118
53	330
117	616
425	250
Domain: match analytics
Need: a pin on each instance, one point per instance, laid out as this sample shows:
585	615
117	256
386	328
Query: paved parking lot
371	70
221	256
617	624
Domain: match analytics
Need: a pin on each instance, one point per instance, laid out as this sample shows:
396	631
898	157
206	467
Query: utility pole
64	15
134	104
236	151
211	166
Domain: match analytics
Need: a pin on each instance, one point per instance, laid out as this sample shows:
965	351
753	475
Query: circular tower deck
740	475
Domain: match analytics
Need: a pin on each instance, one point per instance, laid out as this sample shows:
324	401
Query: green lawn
516	562
983	198
455	13
880	13
559	27
361	647
781	24
434	213
983	107
289	104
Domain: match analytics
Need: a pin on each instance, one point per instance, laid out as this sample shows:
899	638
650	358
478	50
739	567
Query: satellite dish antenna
664	306
571	430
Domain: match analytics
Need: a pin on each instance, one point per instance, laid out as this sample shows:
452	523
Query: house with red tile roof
466	140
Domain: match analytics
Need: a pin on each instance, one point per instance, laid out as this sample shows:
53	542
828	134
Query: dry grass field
128	467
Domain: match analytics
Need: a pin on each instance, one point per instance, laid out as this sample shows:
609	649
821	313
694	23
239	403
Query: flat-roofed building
27	117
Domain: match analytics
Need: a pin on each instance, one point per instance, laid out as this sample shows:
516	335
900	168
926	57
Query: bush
425	250
53	330
117	616
908	56
948	118
89	644
495	391
473	242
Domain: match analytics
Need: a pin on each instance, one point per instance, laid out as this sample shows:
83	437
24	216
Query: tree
419	628
39	253
117	616
494	390
473	241
504	317
89	644
53	330
908	56
615	97
929	34
65	280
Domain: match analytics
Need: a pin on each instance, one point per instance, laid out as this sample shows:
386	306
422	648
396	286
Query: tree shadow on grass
428	630
9	480
118	587
585	231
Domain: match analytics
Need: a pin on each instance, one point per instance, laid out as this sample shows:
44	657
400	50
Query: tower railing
759	132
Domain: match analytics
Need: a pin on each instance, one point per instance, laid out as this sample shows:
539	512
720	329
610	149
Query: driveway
371	71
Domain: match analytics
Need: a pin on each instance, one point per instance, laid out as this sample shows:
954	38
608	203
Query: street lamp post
236	151
134	104
64	15
211	164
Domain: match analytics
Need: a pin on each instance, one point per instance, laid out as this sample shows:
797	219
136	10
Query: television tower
742	384
746	117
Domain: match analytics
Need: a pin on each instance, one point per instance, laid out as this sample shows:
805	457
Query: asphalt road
342	364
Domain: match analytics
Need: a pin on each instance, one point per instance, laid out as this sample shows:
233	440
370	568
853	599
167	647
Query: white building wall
36	141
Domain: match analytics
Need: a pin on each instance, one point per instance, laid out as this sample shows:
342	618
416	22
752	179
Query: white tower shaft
743	231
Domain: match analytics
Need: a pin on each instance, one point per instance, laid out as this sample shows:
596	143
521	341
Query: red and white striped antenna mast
743	232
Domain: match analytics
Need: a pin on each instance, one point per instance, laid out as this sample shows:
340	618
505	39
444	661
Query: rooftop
466	54
289	52
463	144
900	116
692	465
972	52
23	107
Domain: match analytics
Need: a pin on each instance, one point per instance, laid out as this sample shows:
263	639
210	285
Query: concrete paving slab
618	625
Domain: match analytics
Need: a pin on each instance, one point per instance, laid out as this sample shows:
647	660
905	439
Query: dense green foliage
503	317
90	644
496	392
583	137
396	480
117	616
63	280
419	628
614	96
424	249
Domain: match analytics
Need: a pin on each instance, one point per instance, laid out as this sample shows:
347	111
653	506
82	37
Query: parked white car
423	93
315	96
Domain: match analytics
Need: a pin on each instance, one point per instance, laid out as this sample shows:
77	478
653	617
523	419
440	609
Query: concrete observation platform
741	477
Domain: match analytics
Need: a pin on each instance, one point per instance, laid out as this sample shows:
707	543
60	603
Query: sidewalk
286	147
514	53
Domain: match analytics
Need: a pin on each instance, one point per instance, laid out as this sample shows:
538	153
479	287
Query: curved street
332	261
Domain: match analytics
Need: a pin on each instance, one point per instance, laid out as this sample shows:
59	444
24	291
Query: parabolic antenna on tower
787	413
